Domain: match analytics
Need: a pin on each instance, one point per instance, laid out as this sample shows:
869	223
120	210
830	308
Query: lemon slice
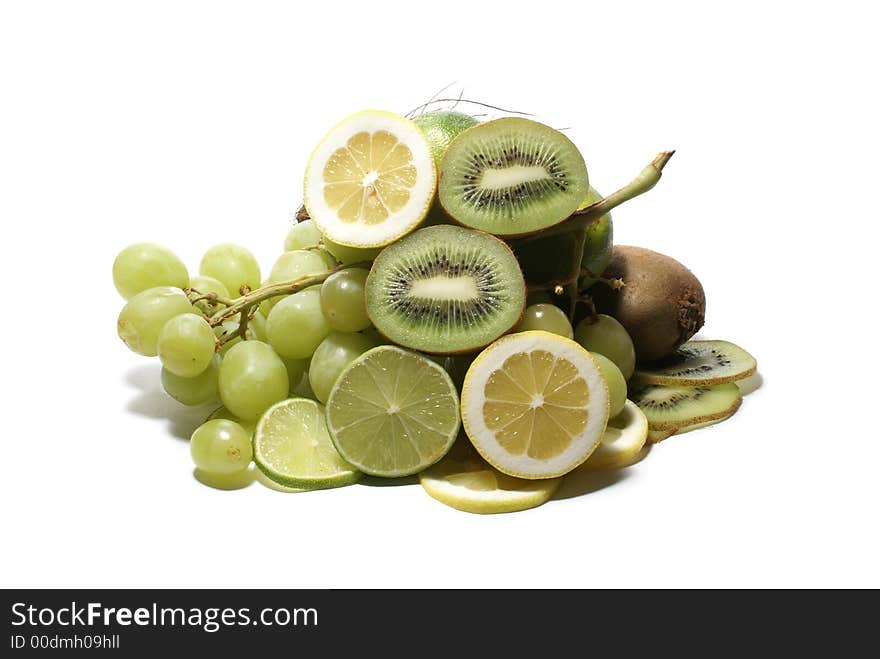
371	180
623	440
293	448
534	404
464	481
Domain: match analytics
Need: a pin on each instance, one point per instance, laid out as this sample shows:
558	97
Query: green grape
302	235
348	255
146	265
252	378
221	446
615	381
547	317
233	265
296	325
608	337
257	323
229	327
598	243
292	265
236	481
334	353
538	297
186	345
204	284
304	389
222	413
296	368
193	391
343	301
142	318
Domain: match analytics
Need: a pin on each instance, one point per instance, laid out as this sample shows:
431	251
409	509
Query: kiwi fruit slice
656	436
699	363
445	289
511	177
671	408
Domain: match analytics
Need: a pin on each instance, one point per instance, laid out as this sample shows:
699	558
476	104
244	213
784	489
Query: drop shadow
378	481
152	402
231	482
750	384
584	481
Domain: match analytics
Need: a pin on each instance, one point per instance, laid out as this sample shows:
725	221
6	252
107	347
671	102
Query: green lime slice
392	412
292	447
465	481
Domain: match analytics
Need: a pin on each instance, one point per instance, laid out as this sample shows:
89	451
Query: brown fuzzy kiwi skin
661	305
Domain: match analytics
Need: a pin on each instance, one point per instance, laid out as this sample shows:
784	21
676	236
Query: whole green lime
442	127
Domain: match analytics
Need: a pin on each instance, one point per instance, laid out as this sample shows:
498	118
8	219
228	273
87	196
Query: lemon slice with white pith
623	440
534	404
371	180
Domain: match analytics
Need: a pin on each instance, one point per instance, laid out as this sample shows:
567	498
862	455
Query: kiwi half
671	408
699	363
512	176
445	289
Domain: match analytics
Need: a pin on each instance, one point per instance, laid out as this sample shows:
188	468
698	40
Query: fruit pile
449	304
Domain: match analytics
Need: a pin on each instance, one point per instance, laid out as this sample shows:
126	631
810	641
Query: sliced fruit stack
449	304
692	388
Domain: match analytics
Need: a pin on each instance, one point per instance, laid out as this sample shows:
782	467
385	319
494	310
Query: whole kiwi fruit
661	304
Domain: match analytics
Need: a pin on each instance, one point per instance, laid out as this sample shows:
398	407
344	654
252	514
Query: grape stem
243	304
646	180
195	296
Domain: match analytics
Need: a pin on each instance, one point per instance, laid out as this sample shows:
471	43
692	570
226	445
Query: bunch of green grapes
303	325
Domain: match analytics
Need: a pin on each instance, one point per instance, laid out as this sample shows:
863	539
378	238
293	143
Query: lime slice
534	404
370	180
623	440
464	481
292	447
392	412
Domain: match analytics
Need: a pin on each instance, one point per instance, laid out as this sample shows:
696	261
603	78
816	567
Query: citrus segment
371	180
393	412
534	404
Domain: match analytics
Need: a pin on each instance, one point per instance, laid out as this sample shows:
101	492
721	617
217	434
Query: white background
190	123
